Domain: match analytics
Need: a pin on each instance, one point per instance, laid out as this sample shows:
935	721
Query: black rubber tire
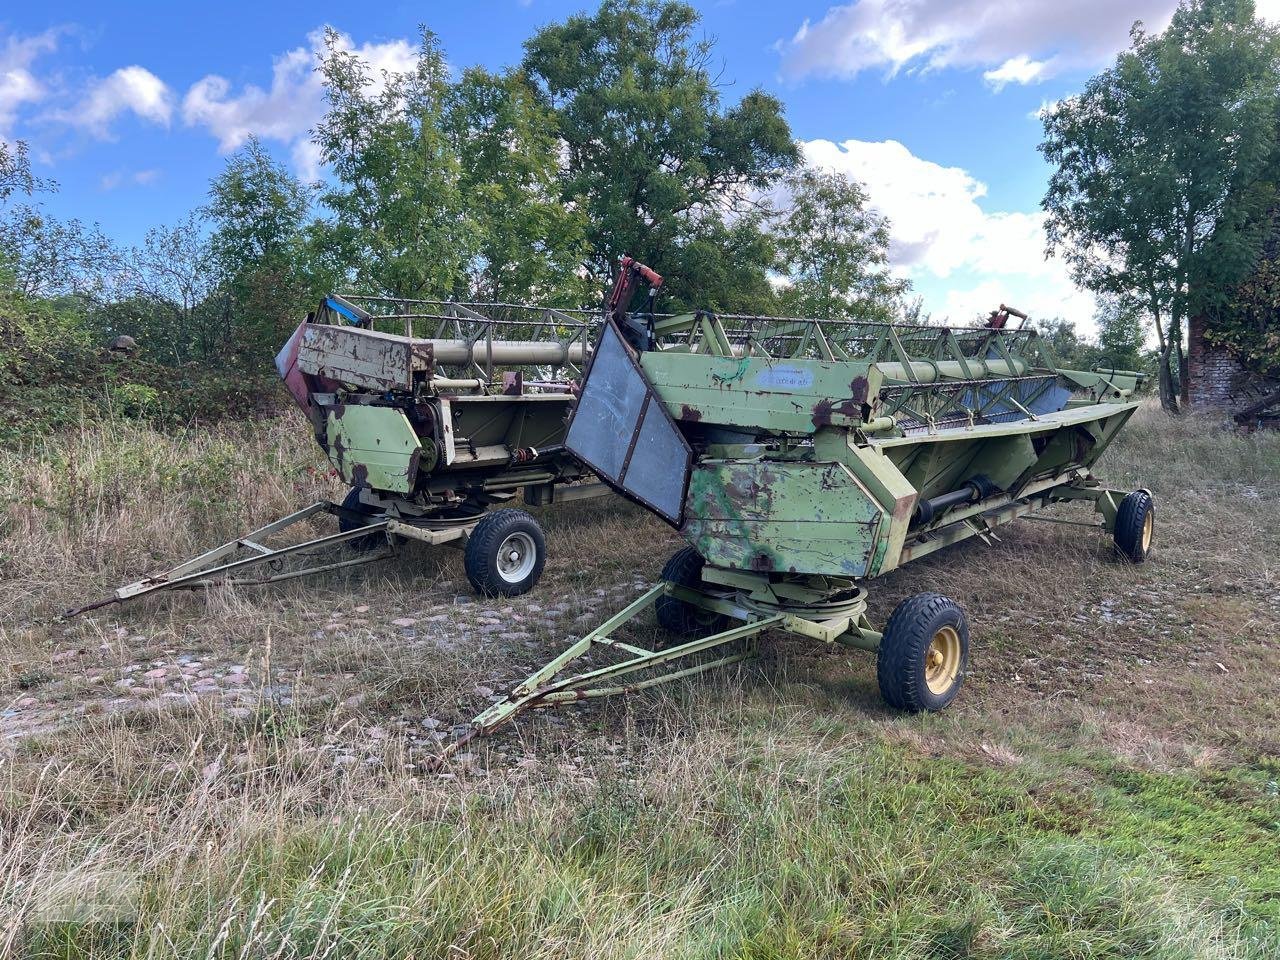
676	616
346	521
1131	521
481	556
901	667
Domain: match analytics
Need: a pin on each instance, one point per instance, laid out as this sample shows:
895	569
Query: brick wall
1216	379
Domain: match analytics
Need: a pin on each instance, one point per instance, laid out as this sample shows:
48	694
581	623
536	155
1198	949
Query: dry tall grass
1103	787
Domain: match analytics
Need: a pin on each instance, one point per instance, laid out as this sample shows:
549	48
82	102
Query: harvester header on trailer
431	412
801	458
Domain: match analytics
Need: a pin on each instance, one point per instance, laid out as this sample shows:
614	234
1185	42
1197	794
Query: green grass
760	847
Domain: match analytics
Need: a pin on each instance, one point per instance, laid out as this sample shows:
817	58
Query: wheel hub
942	661
516	557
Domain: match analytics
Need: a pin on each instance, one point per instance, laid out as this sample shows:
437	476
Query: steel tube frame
215	566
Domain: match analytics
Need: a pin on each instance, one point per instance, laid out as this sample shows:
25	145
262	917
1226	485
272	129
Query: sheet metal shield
622	431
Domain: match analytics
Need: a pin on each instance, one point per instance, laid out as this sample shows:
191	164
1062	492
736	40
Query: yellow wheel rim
942	661
1148	526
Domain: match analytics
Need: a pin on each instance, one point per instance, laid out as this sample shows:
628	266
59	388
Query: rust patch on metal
822	414
692	414
902	507
360	475
762	562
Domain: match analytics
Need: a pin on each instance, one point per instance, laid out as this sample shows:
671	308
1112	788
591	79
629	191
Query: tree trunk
1168	398
1184	376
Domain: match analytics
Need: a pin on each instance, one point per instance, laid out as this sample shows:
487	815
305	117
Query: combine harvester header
431	412
801	458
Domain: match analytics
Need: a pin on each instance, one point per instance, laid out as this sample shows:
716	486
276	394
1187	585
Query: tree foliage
1249	324
1122	336
530	243
834	251
1164	163
663	170
401	224
259	247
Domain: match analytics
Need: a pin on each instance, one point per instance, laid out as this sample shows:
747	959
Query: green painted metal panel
773	516
373	447
798	396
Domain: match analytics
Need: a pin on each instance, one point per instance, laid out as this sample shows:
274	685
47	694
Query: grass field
240	774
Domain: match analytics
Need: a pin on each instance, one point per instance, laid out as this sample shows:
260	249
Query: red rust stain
360	475
822	414
692	414
762	562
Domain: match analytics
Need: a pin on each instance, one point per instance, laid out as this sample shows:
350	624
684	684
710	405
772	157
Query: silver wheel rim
516	557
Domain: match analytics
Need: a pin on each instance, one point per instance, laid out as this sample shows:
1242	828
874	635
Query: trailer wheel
923	654
1135	524
356	515
505	554
676	616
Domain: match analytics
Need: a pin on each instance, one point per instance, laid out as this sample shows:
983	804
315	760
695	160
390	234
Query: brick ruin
1217	381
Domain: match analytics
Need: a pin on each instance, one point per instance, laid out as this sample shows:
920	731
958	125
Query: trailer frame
220	565
805	609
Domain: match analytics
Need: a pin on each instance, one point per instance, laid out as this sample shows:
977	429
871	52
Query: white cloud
1021	42
119	178
131	89
1020	69
294	103
18	84
963	258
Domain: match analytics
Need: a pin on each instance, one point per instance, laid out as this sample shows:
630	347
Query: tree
834	251
15	172
259	212
1071	350
531	244
663	171
1164	164
48	257
174	272
1121	336
400	223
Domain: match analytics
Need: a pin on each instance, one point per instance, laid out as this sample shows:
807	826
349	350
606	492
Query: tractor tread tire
1131	518
351	504
900	662
677	617
480	557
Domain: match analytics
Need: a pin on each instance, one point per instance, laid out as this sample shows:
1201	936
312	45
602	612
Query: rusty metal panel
363	358
373	447
781	517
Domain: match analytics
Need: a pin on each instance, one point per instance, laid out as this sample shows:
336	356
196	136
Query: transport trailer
801	459
437	415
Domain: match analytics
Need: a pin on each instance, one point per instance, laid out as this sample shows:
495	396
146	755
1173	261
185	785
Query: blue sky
132	107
